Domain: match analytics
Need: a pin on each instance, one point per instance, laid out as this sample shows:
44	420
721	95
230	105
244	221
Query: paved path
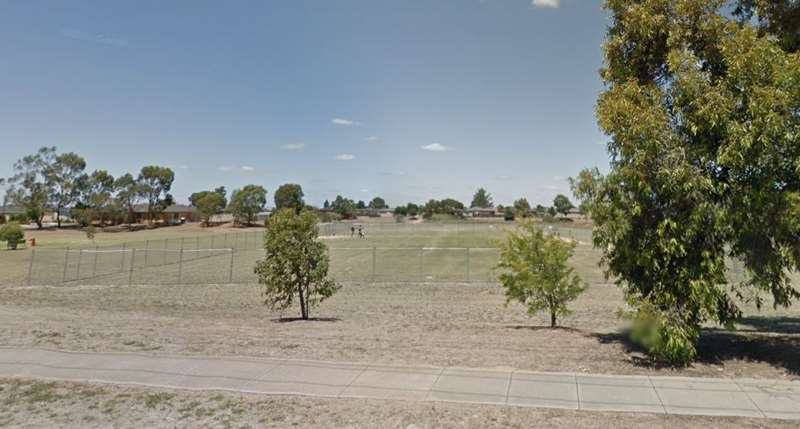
672	395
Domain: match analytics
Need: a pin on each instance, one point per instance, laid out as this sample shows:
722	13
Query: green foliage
28	187
705	143
343	206
534	271
247	202
127	192
289	195
401	211
562	204
448	206
195	197
522	207
378	203
12	233
585	187
508	214
296	263
482	199
412	209
210	204
65	179
361	205
153	183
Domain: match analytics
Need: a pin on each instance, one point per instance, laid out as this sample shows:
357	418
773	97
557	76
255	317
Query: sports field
403	317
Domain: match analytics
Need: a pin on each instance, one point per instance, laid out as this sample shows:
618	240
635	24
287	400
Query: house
7	212
171	215
481	212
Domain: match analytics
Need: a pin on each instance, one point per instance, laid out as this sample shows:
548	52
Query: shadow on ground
771	340
300	319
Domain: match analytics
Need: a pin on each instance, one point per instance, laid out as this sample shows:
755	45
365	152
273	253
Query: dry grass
89	406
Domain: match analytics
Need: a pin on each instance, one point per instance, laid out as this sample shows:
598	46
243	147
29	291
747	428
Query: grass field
411	322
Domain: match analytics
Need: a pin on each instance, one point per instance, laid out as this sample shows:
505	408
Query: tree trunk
303	309
552	319
58	216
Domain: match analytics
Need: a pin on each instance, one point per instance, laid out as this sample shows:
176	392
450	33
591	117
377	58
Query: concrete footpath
641	394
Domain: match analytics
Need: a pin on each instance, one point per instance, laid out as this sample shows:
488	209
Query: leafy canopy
247	202
295	266
289	195
534	271
702	112
482	199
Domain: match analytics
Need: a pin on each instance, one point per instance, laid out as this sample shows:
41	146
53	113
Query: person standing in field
360	232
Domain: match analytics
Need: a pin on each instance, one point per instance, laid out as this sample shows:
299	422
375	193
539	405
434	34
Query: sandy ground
36	404
436	324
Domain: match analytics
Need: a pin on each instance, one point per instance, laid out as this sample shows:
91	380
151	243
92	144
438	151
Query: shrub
534	271
12	233
296	262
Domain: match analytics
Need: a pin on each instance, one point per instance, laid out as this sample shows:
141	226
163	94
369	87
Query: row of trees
247	202
346	207
48	180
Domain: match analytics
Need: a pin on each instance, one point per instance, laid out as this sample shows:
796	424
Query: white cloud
183	167
345	157
294	146
99	38
372	139
229	168
553	4
365	190
345	122
437	147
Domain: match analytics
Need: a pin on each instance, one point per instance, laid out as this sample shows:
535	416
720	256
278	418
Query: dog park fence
392	253
72	267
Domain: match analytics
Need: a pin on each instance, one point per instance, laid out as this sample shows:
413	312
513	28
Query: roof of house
480	209
11	210
175	208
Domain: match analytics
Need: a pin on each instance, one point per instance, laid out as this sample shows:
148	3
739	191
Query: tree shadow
310	319
716	346
773	325
544	328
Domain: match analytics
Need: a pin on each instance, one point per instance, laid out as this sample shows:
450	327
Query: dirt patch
434	324
38	404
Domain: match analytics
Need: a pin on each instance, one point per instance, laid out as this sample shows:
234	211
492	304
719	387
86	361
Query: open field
43	404
415	322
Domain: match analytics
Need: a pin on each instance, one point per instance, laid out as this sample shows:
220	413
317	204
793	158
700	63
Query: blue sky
408	100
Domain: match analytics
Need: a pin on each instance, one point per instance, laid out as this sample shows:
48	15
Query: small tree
522	207
289	195
12	233
247	202
508	214
210	204
378	203
482	199
296	262
562	204
534	271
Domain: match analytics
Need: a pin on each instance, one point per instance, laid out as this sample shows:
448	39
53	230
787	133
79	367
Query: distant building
171	215
6	212
481	212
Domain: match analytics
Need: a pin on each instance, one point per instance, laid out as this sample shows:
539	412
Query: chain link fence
393	252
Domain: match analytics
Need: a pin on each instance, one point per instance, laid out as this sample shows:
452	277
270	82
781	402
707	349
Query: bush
13	234
666	336
534	271
296	262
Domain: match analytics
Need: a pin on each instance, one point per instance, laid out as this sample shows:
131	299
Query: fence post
30	265
80	259
467	264
133	263
230	270
180	266
122	264
94	263
421	257
66	261
374	252
146	251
